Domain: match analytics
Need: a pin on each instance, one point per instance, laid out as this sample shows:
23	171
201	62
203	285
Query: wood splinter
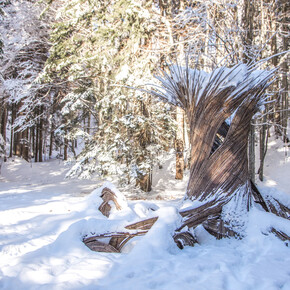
108	195
117	240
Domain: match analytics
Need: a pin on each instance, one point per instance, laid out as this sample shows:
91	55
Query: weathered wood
281	235
179	143
98	246
277	208
142	225
118	240
219	175
107	196
219	162
184	239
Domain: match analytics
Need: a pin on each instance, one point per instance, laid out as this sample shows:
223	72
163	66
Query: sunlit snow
44	217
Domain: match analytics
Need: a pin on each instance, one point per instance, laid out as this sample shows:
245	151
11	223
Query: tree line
68	68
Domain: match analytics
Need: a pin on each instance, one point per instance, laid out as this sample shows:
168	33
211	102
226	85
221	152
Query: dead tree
219	107
219	176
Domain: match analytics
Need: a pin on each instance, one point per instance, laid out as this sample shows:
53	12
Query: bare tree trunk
25	145
3	126
145	182
179	143
51	140
36	143
89	123
263	146
32	141
251	152
40	138
65	149
13	116
4	118
285	93
248	16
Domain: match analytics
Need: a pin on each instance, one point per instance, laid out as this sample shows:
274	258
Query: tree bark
40	132
36	143
263	146
285	93
251	153
65	149
219	178
179	143
51	140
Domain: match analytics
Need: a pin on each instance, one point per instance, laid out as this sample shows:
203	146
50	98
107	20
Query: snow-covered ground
44	217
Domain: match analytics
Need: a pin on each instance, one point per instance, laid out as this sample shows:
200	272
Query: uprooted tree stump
219	108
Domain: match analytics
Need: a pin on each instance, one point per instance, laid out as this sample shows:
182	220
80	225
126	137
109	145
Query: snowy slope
43	219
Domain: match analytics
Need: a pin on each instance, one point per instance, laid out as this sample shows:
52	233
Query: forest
66	68
100	90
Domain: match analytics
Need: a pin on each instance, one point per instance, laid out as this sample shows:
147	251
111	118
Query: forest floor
43	218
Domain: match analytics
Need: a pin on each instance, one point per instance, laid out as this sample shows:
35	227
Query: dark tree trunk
251	152
179	143
51	140
32	141
285	71
40	138
65	149
25	145
13	117
263	146
4	121
36	143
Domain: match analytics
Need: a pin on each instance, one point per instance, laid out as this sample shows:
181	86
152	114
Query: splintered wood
219	173
116	240
119	239
107	196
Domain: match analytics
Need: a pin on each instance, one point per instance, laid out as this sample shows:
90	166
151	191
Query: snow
44	218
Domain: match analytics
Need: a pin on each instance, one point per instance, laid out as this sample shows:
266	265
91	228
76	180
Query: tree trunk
51	140
263	146
145	182
179	143
25	145
40	138
285	93
252	151
218	178
248	17
65	149
13	116
36	143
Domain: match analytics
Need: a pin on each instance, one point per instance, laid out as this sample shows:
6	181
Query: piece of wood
183	239
118	240
107	196
98	246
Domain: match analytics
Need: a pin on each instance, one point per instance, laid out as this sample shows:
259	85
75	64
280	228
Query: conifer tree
98	48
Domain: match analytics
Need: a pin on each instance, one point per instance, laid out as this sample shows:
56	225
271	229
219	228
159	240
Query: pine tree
98	48
25	53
